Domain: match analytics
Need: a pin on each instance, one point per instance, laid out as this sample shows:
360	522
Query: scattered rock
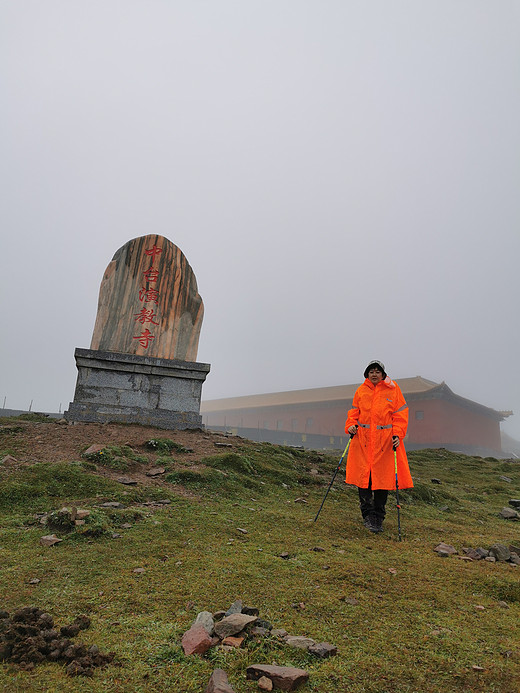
258	632
196	640
472	554
510	514
235	641
436	481
205	619
93	449
446	549
285	678
507	479
515	502
265	684
155	471
349	600
500	552
218	683
284	555
299	641
233	624
235	608
323	650
49	540
112	504
242	530
317	548
482	552
127	481
9	461
279	633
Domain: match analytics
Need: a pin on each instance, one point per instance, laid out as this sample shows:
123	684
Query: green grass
415	628
119	457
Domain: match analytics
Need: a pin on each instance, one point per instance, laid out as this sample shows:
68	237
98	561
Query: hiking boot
368	521
377	525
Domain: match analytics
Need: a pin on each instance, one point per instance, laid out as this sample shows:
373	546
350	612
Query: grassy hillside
211	528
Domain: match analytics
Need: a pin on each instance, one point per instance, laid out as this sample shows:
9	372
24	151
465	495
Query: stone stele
141	366
148	302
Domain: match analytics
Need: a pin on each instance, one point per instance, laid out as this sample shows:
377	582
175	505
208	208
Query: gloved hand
395	442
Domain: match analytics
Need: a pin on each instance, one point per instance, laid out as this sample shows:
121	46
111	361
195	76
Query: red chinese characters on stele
145	337
145	316
148	295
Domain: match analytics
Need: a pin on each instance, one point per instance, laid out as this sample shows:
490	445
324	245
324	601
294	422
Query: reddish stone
234	641
284	678
196	641
218	683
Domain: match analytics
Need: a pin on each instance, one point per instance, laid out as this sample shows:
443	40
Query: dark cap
375	364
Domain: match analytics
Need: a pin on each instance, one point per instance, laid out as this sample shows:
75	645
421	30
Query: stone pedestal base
128	388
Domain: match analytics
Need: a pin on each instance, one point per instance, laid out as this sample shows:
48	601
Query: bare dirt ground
31	442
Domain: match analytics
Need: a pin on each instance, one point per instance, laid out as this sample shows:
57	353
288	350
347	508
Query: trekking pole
337	470
397	496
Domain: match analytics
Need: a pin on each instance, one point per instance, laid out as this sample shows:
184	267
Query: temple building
315	418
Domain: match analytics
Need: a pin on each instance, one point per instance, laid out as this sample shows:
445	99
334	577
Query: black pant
372	502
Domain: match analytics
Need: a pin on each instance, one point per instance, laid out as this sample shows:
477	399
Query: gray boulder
323	650
500	552
299	641
205	619
235	608
445	549
509	514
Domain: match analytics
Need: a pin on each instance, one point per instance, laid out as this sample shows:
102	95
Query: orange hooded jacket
380	412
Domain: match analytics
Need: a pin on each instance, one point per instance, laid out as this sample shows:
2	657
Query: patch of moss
35	417
165	445
230	462
32	487
119	457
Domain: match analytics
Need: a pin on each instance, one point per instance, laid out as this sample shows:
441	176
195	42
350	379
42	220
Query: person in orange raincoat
377	424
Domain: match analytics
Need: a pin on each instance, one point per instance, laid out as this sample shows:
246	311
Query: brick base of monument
127	388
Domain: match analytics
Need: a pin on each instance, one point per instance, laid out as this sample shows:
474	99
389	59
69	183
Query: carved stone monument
141	366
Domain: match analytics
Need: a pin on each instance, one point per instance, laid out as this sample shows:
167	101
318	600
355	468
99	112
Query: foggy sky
343	178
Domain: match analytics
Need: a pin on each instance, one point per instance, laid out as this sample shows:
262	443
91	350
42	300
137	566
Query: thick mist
343	178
